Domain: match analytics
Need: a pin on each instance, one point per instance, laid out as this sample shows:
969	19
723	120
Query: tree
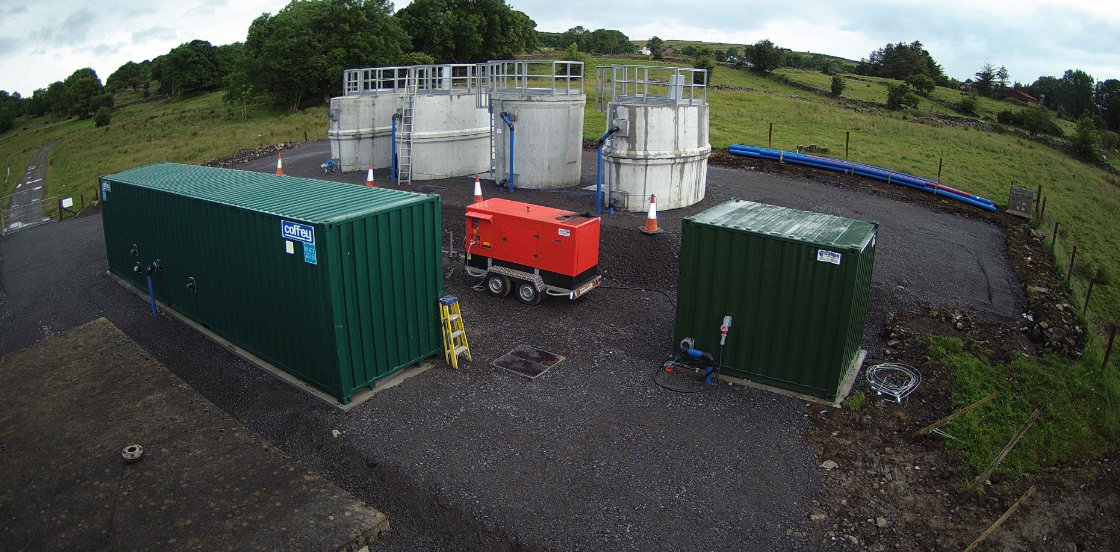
985	80
101	100
1087	140
656	47
104	117
572	53
1107	98
829	67
1038	120
1046	90
899	61
794	60
688	51
721	55
1001	78
464	31
191	66
575	35
765	56
302	50
55	99
922	84
81	86
899	97
838	85
732	53
129	75
1075	93
704	59
602	41
968	104
418	58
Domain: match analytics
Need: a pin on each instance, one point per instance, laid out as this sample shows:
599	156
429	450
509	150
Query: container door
519	244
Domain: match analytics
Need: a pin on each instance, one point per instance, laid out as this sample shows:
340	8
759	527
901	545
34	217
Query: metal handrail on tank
650	84
535	77
428	79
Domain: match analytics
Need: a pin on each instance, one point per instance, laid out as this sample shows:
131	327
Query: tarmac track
26	207
590	456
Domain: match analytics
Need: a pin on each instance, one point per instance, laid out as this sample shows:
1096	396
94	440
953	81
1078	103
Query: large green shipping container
334	283
795	283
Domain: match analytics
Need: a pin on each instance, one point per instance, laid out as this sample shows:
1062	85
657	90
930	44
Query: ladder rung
455	317
457	333
459	350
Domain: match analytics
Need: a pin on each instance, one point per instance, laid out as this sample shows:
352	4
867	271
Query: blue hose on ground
862	169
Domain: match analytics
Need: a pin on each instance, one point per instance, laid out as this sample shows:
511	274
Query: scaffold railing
650	84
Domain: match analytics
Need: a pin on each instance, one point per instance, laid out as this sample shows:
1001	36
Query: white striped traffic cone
651	219
279	165
369	177
477	190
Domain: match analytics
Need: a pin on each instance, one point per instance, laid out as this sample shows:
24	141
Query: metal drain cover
527	361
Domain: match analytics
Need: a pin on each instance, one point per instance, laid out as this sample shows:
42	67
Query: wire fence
1081	277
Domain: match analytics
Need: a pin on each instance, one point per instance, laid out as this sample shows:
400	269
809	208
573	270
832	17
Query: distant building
645	50
667	50
1020	95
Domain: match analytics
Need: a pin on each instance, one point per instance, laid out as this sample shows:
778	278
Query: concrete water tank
545	102
360	131
661	146
450	135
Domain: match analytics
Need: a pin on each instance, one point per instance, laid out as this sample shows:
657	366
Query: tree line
296	56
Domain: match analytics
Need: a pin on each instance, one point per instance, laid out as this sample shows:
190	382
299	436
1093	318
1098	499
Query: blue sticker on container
297	232
309	254
104	190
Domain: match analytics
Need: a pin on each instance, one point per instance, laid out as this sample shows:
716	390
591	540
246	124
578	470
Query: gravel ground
591	455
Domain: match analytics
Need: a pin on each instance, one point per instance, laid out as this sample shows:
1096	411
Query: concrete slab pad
71	405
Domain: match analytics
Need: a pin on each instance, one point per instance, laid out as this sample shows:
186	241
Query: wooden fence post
1072	256
1054	241
1088	294
847	140
1108	350
1037	199
939	160
1043	213
770	137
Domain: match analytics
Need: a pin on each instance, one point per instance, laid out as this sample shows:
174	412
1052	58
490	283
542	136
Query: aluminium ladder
454	333
404	143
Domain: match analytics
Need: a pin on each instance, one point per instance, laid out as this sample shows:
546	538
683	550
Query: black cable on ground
661	291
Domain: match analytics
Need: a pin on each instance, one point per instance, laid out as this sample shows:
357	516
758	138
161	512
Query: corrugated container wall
334	283
795	283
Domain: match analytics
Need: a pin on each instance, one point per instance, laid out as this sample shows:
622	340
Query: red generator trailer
532	249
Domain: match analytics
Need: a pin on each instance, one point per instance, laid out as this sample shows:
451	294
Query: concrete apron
358	398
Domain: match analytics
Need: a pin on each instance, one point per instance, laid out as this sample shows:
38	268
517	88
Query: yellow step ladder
454	333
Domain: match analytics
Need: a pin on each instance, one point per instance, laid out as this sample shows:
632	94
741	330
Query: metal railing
535	77
427	79
650	84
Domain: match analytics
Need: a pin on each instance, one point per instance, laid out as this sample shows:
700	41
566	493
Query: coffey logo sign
297	232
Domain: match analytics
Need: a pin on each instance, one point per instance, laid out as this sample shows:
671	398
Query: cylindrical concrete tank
546	101
450	135
360	130
661	146
663	152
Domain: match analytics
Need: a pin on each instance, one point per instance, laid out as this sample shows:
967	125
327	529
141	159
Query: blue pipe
599	172
151	295
709	372
847	167
861	169
505	117
393	159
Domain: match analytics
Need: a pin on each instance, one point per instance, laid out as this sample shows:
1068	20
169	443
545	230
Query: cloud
12	10
206	7
107	49
74	31
154	33
10	45
137	12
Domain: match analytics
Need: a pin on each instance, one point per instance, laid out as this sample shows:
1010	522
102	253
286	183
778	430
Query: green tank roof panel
790	224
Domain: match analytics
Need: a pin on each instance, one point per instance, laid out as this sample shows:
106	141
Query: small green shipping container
795	283
334	283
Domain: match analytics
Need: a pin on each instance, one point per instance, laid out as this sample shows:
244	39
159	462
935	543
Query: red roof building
1019	95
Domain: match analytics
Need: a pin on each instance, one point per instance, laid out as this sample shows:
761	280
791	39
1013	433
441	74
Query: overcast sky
42	41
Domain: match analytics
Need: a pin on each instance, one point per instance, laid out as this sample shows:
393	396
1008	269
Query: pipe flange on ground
132	453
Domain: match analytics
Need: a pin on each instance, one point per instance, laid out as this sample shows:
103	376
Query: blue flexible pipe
505	117
861	169
151	295
599	172
393	140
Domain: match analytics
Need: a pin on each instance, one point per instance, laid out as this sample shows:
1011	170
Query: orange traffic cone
369	177
477	190
279	165
651	219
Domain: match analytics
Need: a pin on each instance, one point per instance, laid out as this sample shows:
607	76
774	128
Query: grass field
193	129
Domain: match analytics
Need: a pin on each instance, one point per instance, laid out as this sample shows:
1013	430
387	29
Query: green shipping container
334	283
795	283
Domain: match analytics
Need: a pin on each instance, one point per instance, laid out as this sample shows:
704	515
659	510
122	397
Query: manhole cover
527	361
